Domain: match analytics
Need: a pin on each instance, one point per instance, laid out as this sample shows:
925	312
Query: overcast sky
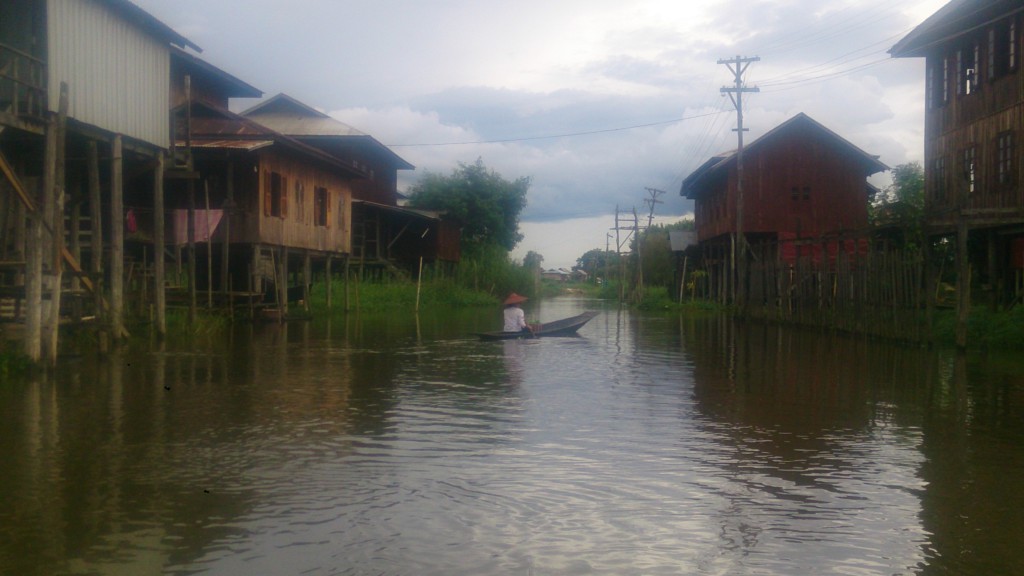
595	100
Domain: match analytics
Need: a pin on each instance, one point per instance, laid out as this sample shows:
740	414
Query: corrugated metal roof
286	115
247	145
306	126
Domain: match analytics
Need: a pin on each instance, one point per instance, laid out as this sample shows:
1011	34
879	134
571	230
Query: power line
552	136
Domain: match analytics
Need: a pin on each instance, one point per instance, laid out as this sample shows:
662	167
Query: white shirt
515	319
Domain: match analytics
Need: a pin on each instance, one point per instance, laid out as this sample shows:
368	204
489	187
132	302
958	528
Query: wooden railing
22	83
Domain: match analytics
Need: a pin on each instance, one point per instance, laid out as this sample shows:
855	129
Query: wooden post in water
96	240
963	282
191	227
35	253
327	281
419	283
56	212
45	209
116	239
307	278
209	245
347	261
159	291
282	286
225	249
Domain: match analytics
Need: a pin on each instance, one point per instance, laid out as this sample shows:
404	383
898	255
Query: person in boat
515	318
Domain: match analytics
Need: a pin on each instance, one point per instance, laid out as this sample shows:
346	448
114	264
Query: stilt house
261	203
801	182
383	233
84	101
974	121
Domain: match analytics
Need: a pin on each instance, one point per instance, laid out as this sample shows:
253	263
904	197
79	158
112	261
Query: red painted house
801	181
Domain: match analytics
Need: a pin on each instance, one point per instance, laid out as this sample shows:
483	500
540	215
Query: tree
901	204
485	204
532	261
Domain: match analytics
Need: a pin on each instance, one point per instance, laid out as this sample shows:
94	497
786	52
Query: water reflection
399	445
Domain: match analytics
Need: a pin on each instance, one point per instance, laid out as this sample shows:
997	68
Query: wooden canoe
563	327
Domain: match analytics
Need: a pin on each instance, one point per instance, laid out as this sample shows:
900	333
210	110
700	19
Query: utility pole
651	200
621	241
738	66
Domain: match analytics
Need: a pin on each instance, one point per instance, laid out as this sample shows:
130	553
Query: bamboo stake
209	246
419	282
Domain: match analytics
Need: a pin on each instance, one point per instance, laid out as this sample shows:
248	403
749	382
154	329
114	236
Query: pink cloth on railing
206	222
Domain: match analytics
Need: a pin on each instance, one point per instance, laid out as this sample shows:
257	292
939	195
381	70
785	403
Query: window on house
945	80
968	166
300	201
1002	49
933	88
939	179
967	69
275	195
1004	158
321	206
1012	49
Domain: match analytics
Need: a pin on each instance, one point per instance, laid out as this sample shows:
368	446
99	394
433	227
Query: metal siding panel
118	77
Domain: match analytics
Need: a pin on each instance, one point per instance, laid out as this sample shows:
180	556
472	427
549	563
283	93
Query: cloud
579	95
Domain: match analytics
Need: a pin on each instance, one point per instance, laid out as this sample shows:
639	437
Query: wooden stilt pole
116	239
347	262
75	235
282	287
307	279
159	290
57	226
963	282
328	280
96	240
191	252
209	246
34	253
229	204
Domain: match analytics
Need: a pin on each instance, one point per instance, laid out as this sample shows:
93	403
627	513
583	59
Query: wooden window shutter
284	197
327	207
268	185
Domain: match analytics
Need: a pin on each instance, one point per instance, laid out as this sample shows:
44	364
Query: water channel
651	444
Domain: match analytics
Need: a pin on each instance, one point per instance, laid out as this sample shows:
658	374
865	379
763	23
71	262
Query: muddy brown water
388	444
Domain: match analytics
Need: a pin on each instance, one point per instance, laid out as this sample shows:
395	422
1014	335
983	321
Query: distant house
974	121
801	181
557	274
290	204
383	231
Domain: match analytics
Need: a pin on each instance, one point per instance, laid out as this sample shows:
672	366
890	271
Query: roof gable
955	19
303	122
147	22
719	165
